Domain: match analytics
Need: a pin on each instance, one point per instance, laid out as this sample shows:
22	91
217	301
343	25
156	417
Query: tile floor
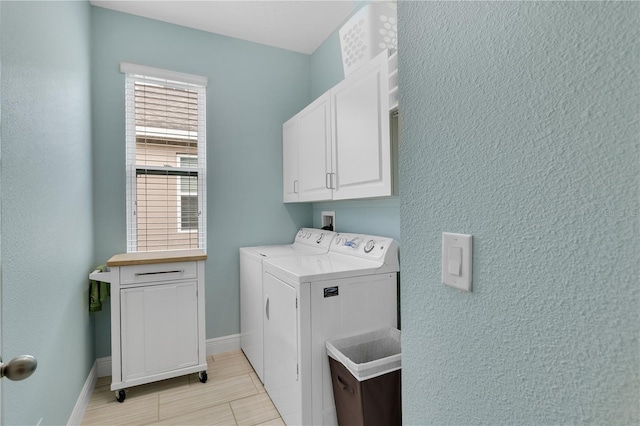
232	395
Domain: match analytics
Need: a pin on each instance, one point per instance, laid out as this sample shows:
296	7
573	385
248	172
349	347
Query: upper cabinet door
314	150
361	140
290	161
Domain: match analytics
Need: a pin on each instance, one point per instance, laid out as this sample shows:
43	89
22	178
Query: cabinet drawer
158	272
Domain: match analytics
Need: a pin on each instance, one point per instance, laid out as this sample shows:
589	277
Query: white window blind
166	159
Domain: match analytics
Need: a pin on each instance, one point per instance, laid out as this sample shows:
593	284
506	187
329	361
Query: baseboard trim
85	396
223	344
104	366
214	346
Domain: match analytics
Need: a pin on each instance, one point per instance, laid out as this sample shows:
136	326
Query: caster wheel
120	395
202	376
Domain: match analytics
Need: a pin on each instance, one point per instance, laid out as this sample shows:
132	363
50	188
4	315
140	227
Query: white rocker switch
456	260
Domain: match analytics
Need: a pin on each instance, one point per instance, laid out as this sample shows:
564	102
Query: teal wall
326	65
47	242
252	90
376	216
519	125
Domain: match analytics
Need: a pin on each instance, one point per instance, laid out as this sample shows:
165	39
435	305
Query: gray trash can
366	379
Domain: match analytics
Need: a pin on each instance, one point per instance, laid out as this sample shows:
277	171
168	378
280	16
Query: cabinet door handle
178	271
329	180
295	186
266	309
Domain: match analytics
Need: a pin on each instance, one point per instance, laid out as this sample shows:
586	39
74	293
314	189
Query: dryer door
281	373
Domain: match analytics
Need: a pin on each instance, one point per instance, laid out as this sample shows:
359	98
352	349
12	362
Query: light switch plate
456	257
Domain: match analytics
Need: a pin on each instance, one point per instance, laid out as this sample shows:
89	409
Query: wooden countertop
150	257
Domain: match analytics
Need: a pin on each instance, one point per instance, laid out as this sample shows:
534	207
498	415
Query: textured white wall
47	218
519	125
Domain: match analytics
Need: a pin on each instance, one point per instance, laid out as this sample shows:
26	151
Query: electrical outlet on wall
328	221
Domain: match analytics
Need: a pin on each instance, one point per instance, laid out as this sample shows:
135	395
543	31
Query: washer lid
283	250
323	267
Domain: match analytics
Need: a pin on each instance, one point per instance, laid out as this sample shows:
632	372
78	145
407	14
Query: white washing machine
308	300
307	241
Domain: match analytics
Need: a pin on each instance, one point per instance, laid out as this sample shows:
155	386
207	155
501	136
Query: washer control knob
320	238
369	246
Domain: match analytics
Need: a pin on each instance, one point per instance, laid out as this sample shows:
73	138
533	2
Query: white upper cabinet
342	140
314	150
361	140
290	183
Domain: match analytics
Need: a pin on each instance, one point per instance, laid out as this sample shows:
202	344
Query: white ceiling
300	25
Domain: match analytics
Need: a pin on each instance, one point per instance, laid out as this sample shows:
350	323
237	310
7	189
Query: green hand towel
98	292
105	291
94	297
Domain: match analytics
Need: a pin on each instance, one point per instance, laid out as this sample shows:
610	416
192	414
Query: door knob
18	368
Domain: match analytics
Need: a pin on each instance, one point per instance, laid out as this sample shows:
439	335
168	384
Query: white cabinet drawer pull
179	271
146	273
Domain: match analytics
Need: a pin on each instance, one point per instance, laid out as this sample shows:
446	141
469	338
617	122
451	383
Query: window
166	159
187	197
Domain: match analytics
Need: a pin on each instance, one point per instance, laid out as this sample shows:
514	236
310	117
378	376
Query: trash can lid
368	355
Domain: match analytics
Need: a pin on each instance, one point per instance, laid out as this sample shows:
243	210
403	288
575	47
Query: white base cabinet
161	332
157	317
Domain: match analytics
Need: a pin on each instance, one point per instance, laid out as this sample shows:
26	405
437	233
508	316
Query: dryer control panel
315	237
366	246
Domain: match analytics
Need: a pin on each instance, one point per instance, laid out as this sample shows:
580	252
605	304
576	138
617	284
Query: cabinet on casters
157	317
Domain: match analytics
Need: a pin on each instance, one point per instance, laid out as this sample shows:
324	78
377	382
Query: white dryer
307	241
308	300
